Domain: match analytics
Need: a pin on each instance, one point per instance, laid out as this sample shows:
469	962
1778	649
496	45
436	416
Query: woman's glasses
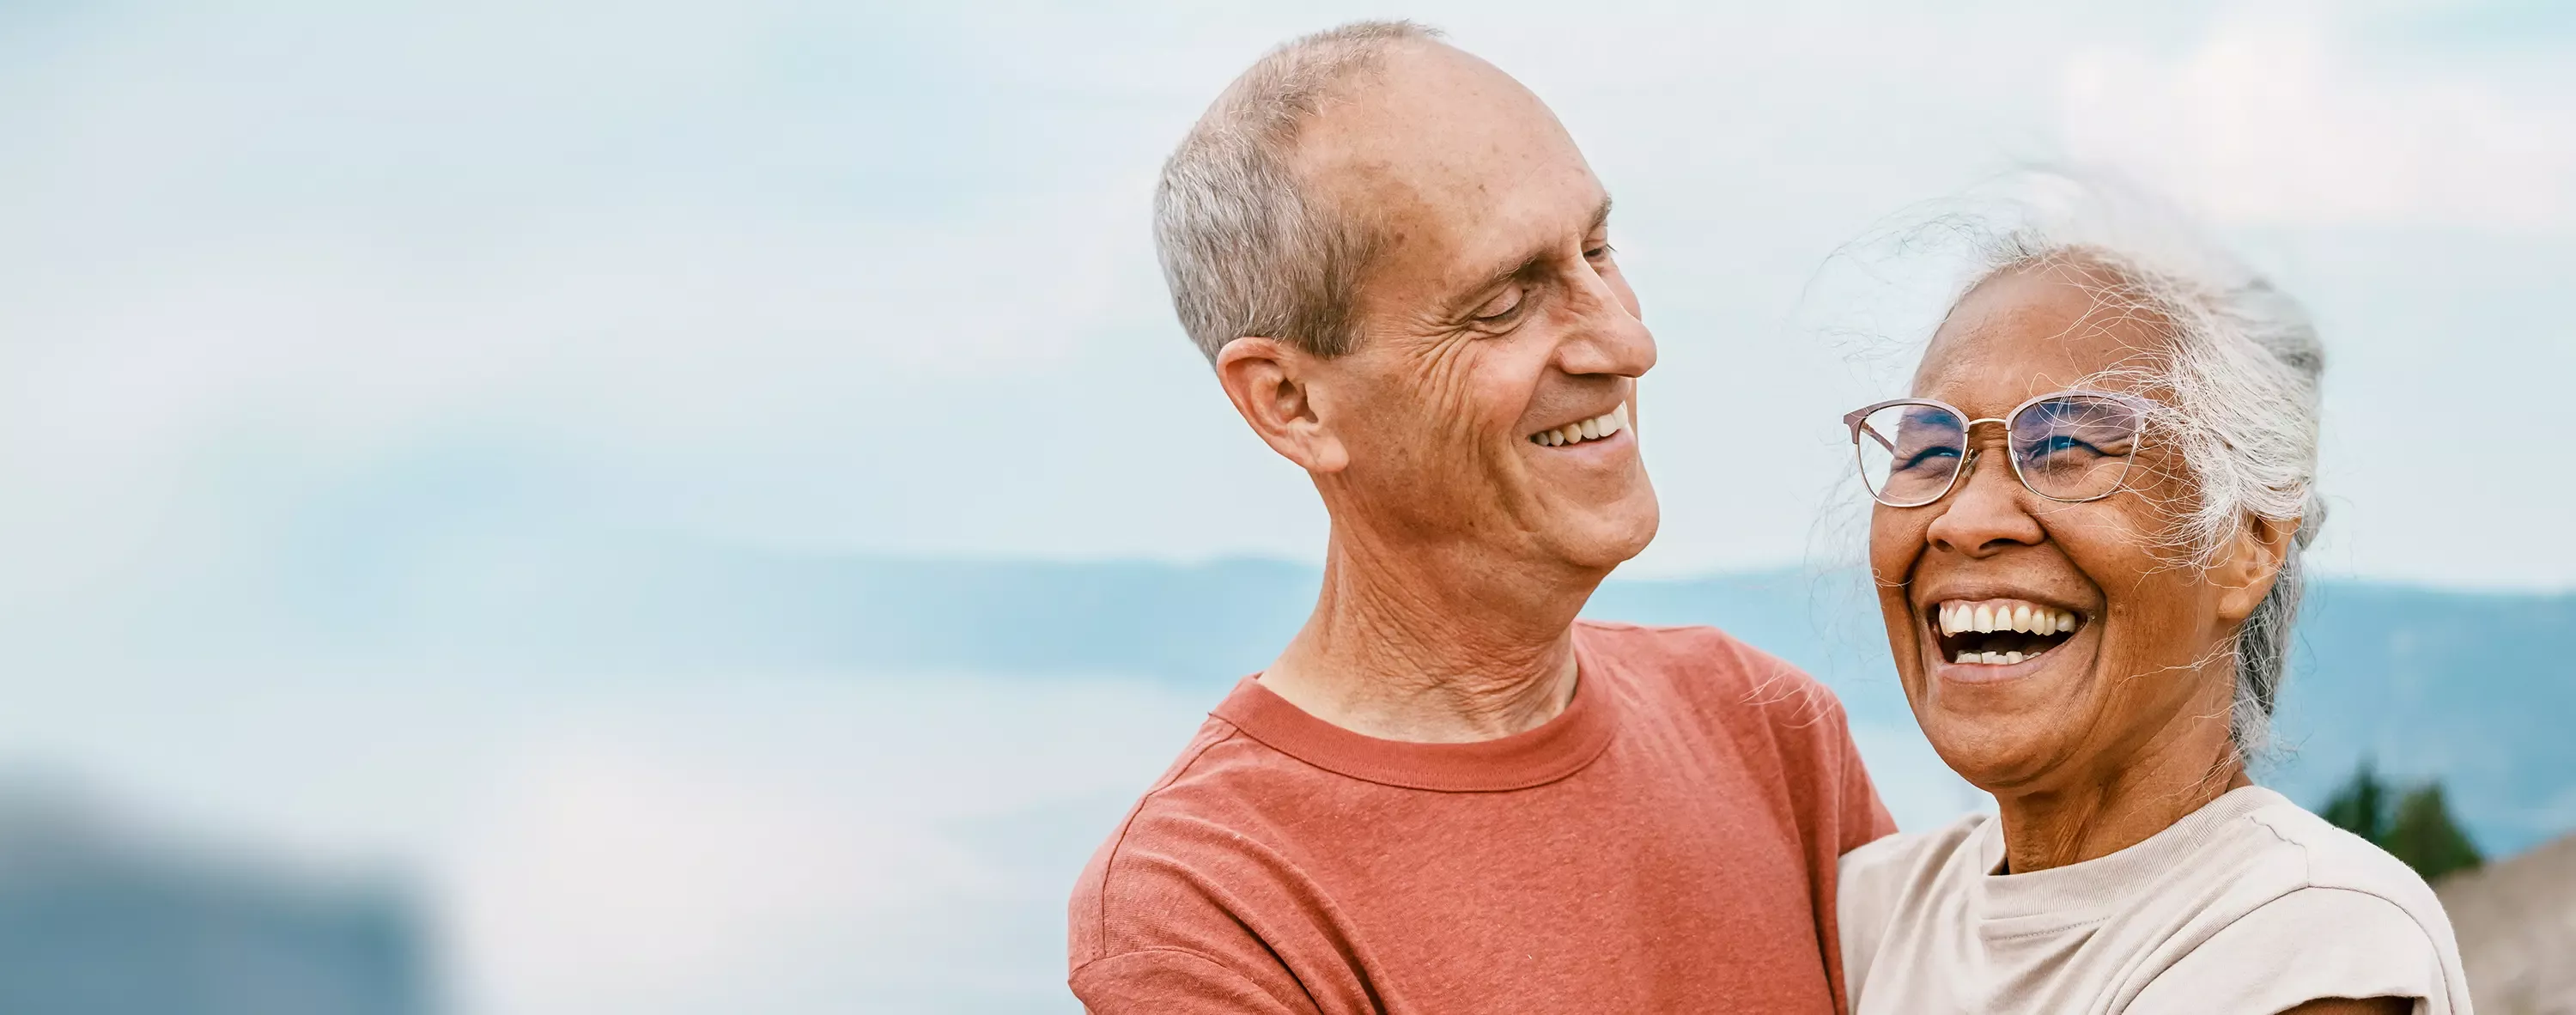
2070	446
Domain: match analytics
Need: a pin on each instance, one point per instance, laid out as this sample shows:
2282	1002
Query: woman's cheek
1893	544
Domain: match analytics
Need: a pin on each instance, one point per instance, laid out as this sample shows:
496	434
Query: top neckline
2103	881
1545	753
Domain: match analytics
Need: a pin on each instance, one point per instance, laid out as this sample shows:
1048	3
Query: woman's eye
2061	443
1501	306
1599	251
1929	455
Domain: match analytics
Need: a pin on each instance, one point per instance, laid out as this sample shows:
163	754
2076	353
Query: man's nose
1607	338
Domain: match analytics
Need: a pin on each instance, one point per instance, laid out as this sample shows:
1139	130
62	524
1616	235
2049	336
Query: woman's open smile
1982	639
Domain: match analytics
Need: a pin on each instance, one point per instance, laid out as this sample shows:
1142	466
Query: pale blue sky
878	278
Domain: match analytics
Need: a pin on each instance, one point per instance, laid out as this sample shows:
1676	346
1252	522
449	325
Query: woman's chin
1993	721
1997	759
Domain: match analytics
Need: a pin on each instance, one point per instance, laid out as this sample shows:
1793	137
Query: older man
1447	794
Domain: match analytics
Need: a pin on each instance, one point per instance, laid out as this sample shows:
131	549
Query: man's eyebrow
1505	274
1600	218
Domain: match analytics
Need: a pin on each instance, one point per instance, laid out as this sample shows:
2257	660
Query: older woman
2090	514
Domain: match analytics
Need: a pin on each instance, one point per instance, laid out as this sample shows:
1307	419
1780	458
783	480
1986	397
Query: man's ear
1271	383
2244	573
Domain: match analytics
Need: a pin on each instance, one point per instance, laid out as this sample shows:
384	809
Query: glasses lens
1909	452
2075	447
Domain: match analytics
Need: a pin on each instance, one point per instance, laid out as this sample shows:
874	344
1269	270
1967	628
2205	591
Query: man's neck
1403	647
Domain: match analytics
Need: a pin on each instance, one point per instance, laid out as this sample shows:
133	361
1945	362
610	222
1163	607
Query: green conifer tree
2361	806
2423	834
2416	827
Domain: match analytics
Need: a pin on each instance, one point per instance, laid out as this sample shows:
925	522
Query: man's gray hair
2240	385
1246	249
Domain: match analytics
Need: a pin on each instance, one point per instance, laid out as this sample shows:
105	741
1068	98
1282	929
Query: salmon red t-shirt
1667	843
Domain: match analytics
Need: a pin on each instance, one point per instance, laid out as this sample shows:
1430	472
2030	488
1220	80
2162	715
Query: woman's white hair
2238	383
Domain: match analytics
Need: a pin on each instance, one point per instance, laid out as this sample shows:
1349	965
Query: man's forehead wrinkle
1461	175
1516	234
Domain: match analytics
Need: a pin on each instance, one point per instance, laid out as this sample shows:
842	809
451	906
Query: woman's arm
2355	1006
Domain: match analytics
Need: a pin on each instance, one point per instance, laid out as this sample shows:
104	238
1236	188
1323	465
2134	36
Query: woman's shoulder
2332	858
2360	922
1914	855
1904	872
2310	943
1905	869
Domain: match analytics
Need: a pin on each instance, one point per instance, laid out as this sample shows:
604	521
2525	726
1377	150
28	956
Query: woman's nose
1985	514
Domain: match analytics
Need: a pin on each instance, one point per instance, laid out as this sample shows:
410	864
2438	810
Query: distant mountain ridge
2475	688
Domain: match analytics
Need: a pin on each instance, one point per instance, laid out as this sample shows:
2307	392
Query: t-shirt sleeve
2311	943
1841	780
1162	921
1865	817
1169	980
1838	810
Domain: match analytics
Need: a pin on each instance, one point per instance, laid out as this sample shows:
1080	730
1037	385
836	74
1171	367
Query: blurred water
755	841
775	842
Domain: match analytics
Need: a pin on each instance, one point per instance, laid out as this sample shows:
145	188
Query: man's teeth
1958	617
1592	429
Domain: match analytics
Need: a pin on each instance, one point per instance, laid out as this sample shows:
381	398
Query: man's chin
1608	536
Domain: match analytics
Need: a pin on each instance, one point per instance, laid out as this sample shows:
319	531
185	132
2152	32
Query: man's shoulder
1712	670
1213	777
1695	651
1201	825
1167	908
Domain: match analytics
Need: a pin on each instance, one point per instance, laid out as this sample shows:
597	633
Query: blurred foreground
97	919
2517	926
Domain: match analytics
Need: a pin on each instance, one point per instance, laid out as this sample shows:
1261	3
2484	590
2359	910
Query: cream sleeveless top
2249	904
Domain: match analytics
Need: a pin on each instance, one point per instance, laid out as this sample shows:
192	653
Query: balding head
1246	247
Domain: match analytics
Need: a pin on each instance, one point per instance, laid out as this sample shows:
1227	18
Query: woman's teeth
1960	617
2001	632
1592	429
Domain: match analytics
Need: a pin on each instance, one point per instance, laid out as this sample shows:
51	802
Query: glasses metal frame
1968	462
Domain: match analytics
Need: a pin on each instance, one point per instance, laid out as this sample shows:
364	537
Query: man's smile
1596	428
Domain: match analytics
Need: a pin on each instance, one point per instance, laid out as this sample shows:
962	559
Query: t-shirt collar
1552	750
